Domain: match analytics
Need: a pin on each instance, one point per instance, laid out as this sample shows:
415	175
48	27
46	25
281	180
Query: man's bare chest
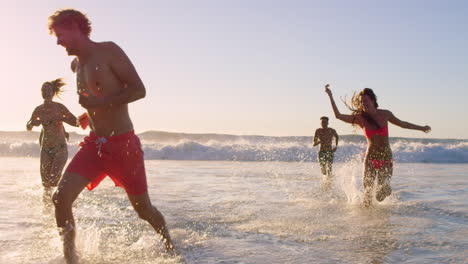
90	77
325	135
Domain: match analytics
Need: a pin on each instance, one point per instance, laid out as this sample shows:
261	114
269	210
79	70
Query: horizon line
239	135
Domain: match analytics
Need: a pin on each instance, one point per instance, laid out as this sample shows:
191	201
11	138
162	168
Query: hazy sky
254	67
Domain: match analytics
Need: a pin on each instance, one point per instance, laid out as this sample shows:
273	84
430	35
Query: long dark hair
356	107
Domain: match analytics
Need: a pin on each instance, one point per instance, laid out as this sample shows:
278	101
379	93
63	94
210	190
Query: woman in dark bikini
378	161
52	140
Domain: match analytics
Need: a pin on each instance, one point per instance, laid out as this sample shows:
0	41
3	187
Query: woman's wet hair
357	108
56	85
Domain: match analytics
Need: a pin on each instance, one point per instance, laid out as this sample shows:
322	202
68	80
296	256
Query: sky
254	67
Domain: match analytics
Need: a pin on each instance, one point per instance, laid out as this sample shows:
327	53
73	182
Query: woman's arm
345	118
68	117
41	137
33	121
67	135
394	120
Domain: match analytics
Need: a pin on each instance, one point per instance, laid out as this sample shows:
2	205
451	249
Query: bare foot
168	245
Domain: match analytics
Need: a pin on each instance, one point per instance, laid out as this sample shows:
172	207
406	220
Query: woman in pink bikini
374	122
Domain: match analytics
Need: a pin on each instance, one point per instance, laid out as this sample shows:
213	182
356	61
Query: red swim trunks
119	157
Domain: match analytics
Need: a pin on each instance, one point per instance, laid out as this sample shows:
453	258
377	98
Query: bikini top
369	133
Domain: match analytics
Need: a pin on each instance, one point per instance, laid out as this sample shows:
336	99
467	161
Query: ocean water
182	146
246	212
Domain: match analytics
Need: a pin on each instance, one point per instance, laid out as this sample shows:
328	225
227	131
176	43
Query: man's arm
336	140
74	65
316	138
123	69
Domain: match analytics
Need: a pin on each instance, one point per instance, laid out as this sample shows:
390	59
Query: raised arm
394	120
345	118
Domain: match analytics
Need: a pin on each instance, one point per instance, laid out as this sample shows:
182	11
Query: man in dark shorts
107	82
324	136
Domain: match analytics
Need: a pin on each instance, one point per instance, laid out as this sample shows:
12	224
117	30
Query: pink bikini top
383	131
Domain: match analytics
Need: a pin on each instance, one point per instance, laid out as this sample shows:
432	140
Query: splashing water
246	212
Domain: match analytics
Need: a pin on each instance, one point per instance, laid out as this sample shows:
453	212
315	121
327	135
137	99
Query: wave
178	146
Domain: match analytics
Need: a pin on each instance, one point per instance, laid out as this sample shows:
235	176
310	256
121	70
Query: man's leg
322	163
329	162
69	187
323	168
328	170
146	211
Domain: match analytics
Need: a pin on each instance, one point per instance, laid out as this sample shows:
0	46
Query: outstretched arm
345	118
394	120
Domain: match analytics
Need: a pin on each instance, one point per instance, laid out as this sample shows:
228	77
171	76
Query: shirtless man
107	82
324	137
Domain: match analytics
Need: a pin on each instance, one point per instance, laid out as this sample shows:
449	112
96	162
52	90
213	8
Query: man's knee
61	199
